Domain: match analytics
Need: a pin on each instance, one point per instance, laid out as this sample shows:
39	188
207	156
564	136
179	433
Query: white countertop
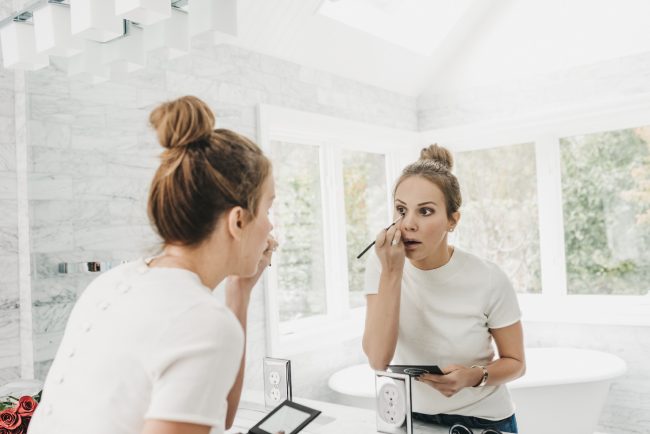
334	419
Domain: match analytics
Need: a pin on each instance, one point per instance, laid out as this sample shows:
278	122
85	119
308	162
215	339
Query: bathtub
563	391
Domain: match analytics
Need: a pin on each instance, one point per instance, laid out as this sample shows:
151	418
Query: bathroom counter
334	419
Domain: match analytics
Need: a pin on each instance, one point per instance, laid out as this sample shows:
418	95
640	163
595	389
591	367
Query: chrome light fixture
144	12
19	46
95	19
52	31
129	54
92	38
91	65
172	35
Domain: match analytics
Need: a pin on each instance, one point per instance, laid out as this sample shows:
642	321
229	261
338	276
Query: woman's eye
400	210
426	211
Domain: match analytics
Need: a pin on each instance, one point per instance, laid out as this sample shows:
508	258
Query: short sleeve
372	274
503	307
194	366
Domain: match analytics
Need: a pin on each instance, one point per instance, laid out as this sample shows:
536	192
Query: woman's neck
437	259
195	259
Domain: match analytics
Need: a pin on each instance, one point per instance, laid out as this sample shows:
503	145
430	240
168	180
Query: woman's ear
236	219
455	218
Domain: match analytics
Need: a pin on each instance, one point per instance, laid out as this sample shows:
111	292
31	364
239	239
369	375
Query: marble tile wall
92	156
9	288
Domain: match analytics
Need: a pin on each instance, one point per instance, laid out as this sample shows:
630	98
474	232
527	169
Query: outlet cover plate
393	403
277	381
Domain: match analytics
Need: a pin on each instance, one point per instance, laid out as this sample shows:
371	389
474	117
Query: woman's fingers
397	237
381	238
433	378
451	368
390	235
271	244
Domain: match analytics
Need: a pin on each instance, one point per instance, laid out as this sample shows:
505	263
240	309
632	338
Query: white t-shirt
445	317
142	343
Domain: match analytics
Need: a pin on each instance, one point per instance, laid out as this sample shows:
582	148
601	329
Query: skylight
417	25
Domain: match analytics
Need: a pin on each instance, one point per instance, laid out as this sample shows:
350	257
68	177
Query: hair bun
438	154
182	121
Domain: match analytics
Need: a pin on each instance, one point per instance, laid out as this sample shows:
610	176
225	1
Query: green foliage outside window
499	215
364	184
299	224
606	205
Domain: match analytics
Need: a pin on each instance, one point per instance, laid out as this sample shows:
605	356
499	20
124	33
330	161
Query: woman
443	306
148	348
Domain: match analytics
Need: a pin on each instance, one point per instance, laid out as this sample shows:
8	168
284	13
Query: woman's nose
407	222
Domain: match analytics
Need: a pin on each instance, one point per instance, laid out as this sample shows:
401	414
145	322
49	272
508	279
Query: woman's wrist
392	276
475	376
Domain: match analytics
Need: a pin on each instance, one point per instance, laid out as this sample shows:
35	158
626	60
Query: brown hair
203	172
435	165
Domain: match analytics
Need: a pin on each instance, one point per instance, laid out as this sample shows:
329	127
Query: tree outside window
606	205
499	215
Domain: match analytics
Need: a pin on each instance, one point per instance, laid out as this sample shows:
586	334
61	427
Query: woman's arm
238	293
382	312
510	365
237	300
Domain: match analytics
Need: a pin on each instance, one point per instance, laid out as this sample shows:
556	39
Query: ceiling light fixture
102	38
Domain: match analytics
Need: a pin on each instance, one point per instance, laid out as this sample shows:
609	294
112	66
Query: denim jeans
508	425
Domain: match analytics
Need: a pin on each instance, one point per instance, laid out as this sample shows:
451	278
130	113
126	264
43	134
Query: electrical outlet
277	381
393	403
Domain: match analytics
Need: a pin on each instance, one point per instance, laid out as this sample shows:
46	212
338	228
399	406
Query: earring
451	229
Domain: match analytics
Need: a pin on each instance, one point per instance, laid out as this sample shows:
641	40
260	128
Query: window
299	226
332	197
366	208
606	206
579	195
499	215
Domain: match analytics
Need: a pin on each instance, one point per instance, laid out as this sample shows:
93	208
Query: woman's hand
455	379
244	285
390	249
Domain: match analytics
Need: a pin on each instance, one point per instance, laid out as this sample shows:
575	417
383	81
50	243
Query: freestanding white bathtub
563	391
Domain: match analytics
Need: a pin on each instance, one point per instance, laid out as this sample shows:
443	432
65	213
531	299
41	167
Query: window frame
545	129
332	136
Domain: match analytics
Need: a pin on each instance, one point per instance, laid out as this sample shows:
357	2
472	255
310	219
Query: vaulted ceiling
417	47
476	42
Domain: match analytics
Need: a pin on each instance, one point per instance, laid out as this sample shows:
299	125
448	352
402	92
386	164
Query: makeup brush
373	243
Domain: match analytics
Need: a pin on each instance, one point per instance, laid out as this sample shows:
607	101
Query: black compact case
303	416
415	370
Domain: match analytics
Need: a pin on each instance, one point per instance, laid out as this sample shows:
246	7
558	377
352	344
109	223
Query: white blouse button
104	305
71	352
124	288
60	379
87	326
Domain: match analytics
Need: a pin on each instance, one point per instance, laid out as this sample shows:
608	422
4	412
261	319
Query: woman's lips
411	244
